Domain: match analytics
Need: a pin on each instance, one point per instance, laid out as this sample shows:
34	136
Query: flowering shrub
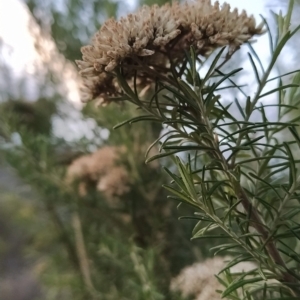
153	37
239	175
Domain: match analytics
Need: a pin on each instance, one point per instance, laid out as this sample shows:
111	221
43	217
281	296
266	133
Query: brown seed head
153	36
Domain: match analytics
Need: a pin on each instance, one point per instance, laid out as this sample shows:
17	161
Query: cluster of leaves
125	259
237	166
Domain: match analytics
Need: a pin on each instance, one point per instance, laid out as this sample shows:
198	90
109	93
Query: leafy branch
241	176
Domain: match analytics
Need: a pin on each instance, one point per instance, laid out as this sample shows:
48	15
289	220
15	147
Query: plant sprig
240	175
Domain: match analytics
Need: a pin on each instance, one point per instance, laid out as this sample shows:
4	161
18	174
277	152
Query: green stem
253	103
256	223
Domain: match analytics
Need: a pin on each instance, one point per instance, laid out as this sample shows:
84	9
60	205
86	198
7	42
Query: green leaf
212	68
240	108
138	119
240	258
183	197
254	53
295	134
201	232
254	68
176	179
215	236
261	158
292	165
187	179
161	155
283	75
126	88
288	16
158	139
280	88
281	44
231	81
224	247
266	183
226	76
182	98
189	148
271	44
215	187
240	284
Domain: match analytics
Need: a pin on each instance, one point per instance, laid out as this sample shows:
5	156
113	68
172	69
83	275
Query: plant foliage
236	165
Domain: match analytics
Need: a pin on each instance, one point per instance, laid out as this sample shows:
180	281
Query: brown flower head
199	281
155	35
101	170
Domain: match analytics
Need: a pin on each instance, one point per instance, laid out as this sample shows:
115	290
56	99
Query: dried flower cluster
147	40
102	171
199	281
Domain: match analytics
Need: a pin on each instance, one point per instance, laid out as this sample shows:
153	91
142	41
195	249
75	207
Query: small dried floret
153	36
199	280
102	171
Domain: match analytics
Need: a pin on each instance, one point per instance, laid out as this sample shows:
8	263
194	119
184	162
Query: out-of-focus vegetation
90	245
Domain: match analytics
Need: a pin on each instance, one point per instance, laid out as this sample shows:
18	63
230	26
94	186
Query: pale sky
14	32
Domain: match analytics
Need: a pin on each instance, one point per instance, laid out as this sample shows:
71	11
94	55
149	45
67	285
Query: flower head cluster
100	169
199	281
155	35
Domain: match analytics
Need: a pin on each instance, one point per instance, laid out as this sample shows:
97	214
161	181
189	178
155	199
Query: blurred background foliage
60	242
